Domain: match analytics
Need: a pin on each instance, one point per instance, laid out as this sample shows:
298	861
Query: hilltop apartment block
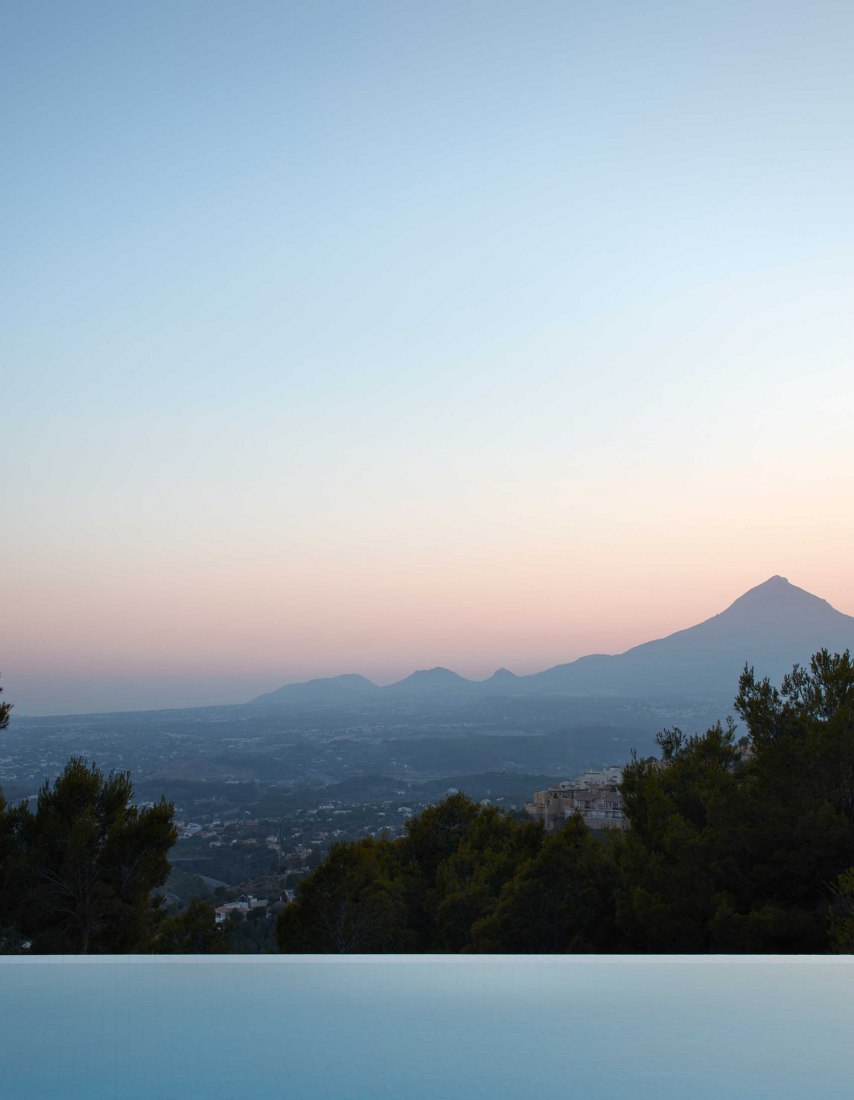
595	795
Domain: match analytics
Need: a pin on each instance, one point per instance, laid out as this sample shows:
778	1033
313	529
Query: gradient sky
367	337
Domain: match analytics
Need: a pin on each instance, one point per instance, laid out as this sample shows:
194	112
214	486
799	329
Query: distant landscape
262	788
427	522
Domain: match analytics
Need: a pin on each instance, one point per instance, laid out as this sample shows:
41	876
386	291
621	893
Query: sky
367	337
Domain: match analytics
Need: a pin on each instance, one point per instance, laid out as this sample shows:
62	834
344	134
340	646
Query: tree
432	837
422	892
83	866
354	902
842	914
4	713
559	900
470	879
678	857
10	936
193	932
735	846
801	782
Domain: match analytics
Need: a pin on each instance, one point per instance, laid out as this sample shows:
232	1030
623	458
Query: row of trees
731	846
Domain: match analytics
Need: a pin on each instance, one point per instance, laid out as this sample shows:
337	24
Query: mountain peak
776	593
502	674
427	680
773	584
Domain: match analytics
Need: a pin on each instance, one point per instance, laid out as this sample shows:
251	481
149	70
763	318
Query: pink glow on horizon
201	641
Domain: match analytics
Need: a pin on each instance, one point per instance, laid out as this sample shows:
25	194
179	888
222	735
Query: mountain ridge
771	626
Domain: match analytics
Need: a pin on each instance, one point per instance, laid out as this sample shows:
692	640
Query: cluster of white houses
595	795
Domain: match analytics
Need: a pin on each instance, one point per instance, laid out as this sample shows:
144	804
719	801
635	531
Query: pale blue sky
368	336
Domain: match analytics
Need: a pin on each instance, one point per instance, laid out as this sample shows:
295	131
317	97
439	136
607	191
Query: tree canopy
421	892
192	932
80	869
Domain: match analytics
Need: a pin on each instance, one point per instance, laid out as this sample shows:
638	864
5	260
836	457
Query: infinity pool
426	1027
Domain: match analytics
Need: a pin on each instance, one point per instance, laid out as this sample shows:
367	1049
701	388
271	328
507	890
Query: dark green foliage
678	855
842	913
185	886
193	932
468	882
735	846
436	833
11	937
559	900
354	902
253	934
77	874
81	869
423	892
800	832
457	855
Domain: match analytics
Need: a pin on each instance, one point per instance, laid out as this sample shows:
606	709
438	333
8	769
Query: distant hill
502	677
328	689
431	681
770	627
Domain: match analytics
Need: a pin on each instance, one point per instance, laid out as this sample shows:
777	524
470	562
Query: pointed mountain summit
501	676
771	627
777	599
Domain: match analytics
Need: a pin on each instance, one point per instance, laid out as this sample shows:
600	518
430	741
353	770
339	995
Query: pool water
426	1027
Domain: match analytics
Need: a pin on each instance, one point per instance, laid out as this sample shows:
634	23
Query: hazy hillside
330	689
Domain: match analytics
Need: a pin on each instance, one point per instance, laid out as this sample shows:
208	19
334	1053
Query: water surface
426	1027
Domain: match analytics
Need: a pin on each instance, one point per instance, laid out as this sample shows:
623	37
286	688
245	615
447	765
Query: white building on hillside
595	795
